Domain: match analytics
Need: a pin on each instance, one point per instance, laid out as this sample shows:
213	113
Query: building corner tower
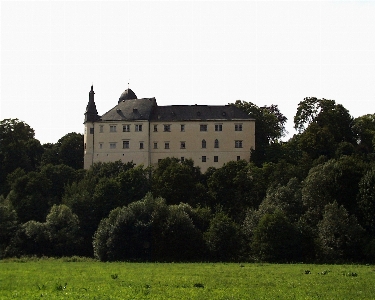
91	116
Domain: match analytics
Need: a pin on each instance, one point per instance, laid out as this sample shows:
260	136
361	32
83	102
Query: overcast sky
182	52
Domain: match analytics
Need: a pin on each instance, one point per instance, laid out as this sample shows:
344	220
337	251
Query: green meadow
86	279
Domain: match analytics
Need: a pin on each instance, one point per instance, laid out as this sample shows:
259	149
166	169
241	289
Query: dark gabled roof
138	109
198	113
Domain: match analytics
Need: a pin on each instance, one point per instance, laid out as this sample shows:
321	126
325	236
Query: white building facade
139	130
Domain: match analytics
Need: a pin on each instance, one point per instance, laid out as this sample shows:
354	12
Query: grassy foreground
63	279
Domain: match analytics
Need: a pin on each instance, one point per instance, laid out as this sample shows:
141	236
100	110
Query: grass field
64	279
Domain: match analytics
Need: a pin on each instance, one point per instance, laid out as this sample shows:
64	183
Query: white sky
181	52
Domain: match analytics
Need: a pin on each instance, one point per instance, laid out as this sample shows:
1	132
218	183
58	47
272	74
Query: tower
91	116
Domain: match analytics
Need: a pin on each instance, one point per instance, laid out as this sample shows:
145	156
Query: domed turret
128	94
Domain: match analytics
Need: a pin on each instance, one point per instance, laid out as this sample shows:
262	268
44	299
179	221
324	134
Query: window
126	128
167	128
238	144
138	127
182	127
216	143
155	145
216	158
141	145
203	127
203	158
100	145
238	158
101	130
112	145
182	158
203	143
166	145
91	130
125	144
112	128
218	127
237	127
182	145
155	128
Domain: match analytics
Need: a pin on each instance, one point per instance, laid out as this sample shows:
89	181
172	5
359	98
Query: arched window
216	143
203	143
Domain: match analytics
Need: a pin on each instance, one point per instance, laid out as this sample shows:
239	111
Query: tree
178	181
68	151
18	149
104	187
323	124
276	239
366	201
335	180
339	234
57	236
181	239
269	127
63	229
287	200
223	238
364	127
236	186
148	229
8	224
33	194
30	196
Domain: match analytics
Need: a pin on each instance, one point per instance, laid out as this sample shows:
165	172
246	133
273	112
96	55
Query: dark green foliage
323	125
339	234
58	236
276	239
335	180
18	149
68	151
104	187
223	238
178	181
364	128
63	229
236	186
29	196
181	239
8	224
33	194
148	230
366	201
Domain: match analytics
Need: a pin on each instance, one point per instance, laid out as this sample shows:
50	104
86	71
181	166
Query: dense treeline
311	198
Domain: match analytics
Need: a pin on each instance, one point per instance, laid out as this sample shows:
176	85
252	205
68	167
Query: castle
139	130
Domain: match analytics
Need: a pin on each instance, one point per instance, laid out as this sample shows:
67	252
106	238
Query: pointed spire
91	114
